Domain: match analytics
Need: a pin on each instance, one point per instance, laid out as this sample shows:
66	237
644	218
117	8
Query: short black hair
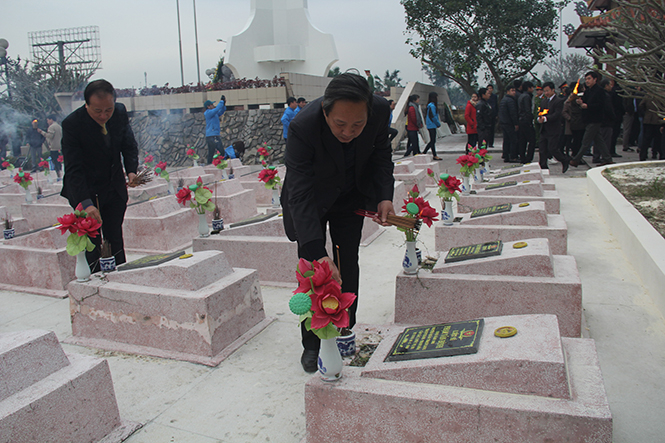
517	84
509	87
347	86
98	87
52	117
301	99
481	92
526	85
549	85
604	82
593	74
290	100
239	146
490	85
390	102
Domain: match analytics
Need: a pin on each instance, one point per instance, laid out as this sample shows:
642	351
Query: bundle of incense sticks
142	177
395	220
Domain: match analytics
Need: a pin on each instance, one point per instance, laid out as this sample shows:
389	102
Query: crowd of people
584	118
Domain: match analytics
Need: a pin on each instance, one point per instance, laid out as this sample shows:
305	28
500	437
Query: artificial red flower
216	161
88	226
67	223
267	175
149	159
330	304
161	165
312	276
190	152
61	159
425	212
467	160
264	163
263	151
430	172
43	164
5	164
26	177
482	152
199	182
184	195
452	183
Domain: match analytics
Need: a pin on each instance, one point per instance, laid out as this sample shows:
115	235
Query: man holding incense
338	160
96	141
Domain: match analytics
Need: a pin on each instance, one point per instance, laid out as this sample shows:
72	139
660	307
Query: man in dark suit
93	139
551	129
338	160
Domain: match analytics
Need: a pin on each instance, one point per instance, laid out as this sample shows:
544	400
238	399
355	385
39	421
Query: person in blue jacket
432	122
213	131
289	113
235	150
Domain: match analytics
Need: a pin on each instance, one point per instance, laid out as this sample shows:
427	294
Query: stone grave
505	222
491	194
407	172
50	396
250	180
520	175
235	202
12	197
196	308
493	279
534	386
20	224
37	262
425	161
156	187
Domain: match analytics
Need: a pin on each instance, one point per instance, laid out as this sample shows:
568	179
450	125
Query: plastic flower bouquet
263	152
191	153
160	170
148	161
45	165
218	161
198	196
319	300
81	229
269	177
416	207
448	186
468	164
23	178
7	165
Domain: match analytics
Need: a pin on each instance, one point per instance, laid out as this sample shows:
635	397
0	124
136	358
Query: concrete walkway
256	395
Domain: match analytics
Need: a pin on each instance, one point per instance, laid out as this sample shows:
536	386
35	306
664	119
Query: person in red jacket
471	122
414	121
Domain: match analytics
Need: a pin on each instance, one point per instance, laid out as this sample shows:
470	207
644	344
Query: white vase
82	270
28	196
275	198
410	262
170	190
330	361
203	226
466	185
225	176
448	213
49	179
196	163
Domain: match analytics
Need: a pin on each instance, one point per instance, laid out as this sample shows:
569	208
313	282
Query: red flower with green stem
160	169
81	228
468	164
7	165
44	164
192	153
23	178
149	160
416	207
269	177
218	161
201	200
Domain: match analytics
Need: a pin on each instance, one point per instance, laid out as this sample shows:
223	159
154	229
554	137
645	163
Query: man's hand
94	213
385	208
132	179
335	272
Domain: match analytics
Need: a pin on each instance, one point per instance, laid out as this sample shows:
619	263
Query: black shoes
628	150
615	155
565	165
309	360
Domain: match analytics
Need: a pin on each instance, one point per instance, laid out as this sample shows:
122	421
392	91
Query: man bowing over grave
96	141
338	160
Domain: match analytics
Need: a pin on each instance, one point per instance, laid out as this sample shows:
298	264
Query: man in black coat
551	129
527	133
338	160
484	117
509	121
93	139
592	104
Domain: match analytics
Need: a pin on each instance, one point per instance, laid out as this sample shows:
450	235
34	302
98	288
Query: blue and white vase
218	225
410	262
347	344
107	264
330	360
9	233
447	213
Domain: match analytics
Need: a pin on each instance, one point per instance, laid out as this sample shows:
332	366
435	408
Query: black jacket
484	116
34	138
92	167
525	109
316	172
508	111
595	98
554	124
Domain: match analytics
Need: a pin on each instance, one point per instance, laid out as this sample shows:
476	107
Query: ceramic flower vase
448	213
275	198
410	262
107	264
347	344
170	190
466	185
196	163
28	196
225	176
9	233
82	271
218	225
330	361
49	179
203	226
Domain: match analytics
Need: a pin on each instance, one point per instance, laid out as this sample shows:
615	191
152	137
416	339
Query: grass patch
653	189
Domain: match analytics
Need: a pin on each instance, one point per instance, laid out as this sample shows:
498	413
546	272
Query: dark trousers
472	140
412	146
576	142
593	135
651	134
509	142
56	164
112	209
345	232
549	145
527	143
490	136
616	130
484	135
432	142
214	144
392	133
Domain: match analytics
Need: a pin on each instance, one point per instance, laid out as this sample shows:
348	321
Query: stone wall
166	136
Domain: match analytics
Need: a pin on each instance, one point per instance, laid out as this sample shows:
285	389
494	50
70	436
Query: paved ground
256	395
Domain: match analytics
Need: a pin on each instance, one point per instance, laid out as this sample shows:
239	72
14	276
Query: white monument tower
279	37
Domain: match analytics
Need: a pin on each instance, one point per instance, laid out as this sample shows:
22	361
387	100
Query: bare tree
567	69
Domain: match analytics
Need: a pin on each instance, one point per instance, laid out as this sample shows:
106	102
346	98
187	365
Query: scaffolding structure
74	49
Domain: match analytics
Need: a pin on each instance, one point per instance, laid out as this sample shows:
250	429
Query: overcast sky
141	36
